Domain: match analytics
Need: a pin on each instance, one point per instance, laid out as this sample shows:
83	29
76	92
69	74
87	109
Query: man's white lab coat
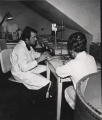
25	68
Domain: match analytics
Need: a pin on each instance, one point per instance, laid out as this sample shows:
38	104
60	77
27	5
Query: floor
9	91
48	112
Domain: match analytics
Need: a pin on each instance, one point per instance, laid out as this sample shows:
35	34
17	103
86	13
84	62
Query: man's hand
43	57
47	55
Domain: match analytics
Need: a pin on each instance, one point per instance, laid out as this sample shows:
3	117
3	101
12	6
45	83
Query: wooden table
52	64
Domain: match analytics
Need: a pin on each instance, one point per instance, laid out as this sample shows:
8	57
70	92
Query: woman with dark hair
81	64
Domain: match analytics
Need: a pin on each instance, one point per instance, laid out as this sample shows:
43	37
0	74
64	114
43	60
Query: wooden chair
10	92
5	63
89	101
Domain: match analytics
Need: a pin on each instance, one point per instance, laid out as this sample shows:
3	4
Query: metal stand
61	37
55	41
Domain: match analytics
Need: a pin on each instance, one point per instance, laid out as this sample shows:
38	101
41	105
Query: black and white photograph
50	60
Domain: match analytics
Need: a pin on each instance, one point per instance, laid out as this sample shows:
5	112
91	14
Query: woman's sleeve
64	70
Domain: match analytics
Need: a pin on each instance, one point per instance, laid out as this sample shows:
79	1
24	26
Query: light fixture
7	16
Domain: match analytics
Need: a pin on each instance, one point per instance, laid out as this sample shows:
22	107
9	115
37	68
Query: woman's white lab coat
77	68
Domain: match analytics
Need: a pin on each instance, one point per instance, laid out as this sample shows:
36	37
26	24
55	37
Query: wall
67	32
84	12
23	16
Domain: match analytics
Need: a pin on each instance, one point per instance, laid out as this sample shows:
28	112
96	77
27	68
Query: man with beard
25	64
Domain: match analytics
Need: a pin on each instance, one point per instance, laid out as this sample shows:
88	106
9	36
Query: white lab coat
79	67
25	68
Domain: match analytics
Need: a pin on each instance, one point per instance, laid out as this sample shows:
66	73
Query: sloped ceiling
49	12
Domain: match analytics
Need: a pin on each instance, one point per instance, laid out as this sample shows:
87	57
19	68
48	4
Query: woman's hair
77	42
27	33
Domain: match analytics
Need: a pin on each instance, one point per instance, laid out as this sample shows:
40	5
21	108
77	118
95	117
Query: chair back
5	60
89	101
3	44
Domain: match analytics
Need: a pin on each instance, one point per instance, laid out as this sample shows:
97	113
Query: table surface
52	64
55	61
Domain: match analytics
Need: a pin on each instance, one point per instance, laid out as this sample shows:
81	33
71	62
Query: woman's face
72	54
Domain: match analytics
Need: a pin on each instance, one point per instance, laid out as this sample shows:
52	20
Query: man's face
33	38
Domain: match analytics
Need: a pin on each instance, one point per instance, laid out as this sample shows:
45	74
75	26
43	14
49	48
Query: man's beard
34	45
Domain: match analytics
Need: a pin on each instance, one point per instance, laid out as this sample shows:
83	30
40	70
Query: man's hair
27	33
77	42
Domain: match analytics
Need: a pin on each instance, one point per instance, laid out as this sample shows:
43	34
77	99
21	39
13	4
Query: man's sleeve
37	54
23	62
